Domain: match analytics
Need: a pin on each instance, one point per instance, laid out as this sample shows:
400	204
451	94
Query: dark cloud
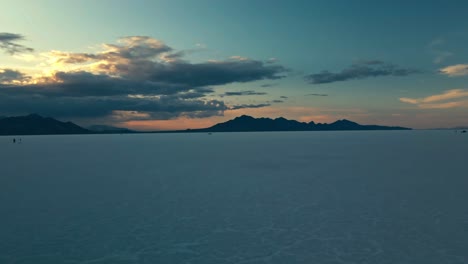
212	73
284	97
82	94
174	56
91	96
242	93
242	106
316	94
165	107
193	94
82	84
278	101
139	75
9	75
360	70
268	85
8	43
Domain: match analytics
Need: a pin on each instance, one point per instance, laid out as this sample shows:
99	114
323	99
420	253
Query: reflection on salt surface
313	197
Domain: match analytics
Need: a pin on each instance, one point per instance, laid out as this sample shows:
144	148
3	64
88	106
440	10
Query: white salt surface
285	197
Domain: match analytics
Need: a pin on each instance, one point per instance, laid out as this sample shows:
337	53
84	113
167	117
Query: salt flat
278	197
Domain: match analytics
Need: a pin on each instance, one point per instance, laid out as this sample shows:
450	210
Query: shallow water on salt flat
277	197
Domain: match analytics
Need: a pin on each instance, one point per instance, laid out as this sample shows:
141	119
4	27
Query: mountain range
37	125
248	124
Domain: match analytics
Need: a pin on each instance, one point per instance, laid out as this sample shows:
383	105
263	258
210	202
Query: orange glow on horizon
302	114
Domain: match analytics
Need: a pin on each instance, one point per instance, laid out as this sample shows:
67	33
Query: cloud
450	94
164	107
82	94
455	70
272	60
8	43
88	84
131	48
215	73
316	94
361	70
242	93
444	105
278	101
144	58
268	85
409	100
12	76
284	97
139	77
440	54
436	101
242	106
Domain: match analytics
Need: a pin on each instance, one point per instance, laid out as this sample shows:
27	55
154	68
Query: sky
163	65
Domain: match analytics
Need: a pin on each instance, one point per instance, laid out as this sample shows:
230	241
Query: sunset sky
158	65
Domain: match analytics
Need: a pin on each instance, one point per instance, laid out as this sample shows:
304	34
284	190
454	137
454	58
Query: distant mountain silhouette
109	129
37	125
247	123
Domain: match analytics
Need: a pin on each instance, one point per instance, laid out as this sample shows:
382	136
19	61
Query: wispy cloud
439	101
444	105
242	106
316	94
266	85
361	70
435	47
243	93
455	70
8	43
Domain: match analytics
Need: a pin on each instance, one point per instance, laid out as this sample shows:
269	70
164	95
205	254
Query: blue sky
415	47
